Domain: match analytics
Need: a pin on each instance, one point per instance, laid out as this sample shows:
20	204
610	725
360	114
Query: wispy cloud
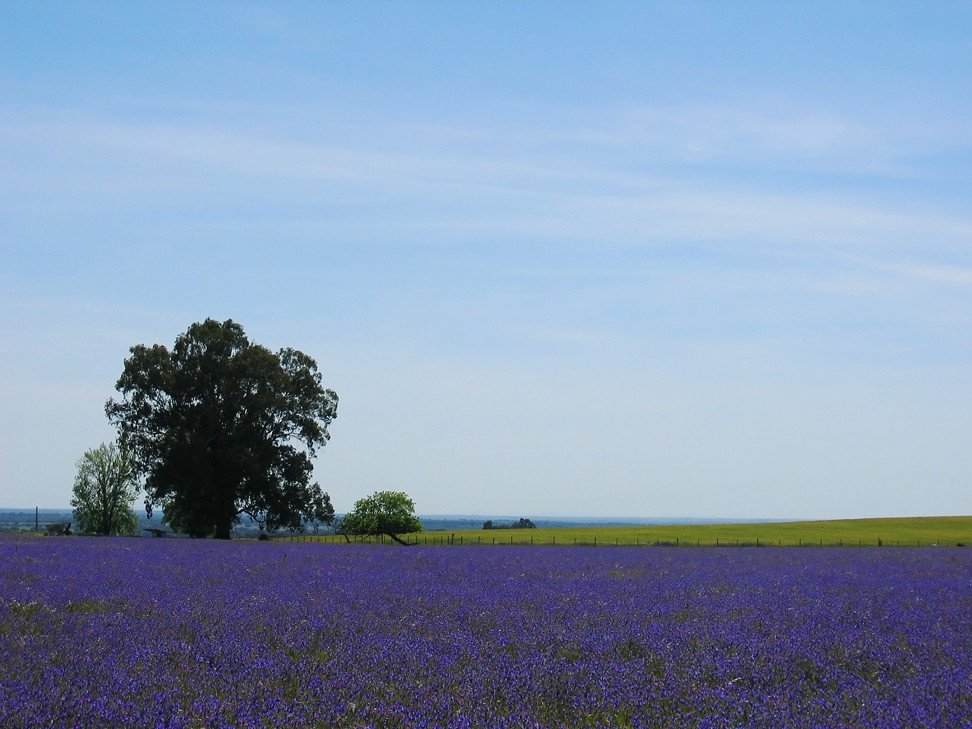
473	187
955	275
754	136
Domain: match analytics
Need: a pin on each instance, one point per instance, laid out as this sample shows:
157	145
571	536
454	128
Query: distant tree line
519	524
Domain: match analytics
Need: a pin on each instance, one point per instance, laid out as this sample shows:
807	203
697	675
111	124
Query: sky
644	259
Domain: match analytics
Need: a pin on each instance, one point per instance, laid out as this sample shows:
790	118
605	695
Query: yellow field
914	531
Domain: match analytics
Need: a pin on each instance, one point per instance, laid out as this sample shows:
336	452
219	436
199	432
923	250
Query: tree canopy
221	427
521	523
104	489
388	513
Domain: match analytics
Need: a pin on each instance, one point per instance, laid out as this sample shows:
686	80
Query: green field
915	531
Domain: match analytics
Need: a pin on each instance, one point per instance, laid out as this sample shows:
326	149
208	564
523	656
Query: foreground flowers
180	633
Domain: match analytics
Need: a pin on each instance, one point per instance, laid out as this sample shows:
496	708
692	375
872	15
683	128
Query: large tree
221	427
104	489
388	513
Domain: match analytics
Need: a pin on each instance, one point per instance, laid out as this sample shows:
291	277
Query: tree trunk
397	539
227	510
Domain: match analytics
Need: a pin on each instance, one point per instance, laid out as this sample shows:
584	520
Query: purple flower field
179	633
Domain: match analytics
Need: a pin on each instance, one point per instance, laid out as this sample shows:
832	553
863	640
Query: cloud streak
575	196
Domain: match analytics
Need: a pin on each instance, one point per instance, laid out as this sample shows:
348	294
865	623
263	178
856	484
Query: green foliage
222	427
104	489
384	512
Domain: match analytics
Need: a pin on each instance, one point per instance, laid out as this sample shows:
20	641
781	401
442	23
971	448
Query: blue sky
646	259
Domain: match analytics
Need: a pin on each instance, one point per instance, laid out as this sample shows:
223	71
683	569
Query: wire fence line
465	540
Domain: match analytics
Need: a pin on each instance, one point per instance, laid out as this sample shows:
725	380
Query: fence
434	539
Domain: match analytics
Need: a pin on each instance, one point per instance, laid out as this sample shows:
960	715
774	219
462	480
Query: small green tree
104	489
388	513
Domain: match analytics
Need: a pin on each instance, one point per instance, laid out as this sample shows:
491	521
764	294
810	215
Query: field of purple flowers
181	633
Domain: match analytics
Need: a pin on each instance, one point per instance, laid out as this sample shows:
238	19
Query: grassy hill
913	531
